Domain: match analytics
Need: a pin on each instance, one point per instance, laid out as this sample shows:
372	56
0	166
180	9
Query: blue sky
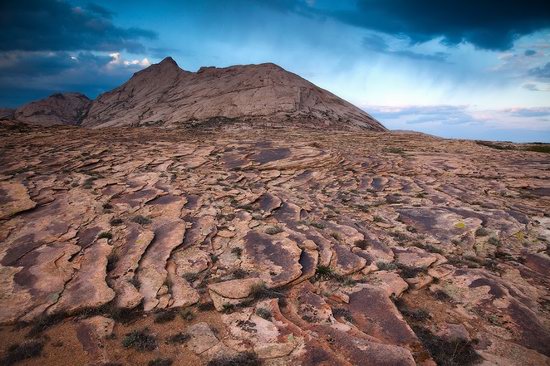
468	69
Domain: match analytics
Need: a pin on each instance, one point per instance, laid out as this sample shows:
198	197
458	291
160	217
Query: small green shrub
179	338
272	230
242	359
142	220
386	266
105	235
239	273
228	308
187	314
116	221
44	322
206	306
237	251
261	291
165	316
318	225
324	273
482	232
23	351
140	340
264	313
343	313
160	362
447	353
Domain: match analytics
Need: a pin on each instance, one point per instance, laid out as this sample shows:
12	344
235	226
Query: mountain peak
168	61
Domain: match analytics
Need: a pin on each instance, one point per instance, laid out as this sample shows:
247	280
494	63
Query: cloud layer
48	25
49	46
484	23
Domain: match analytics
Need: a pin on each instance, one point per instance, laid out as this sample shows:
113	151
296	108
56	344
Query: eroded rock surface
299	246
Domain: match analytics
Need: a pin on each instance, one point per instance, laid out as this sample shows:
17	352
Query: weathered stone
14	198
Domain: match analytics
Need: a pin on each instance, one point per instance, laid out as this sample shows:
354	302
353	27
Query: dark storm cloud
48	25
484	23
542	72
31	64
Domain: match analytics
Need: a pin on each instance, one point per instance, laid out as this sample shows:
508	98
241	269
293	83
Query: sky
459	69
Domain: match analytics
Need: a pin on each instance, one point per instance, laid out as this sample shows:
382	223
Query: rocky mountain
57	109
163	94
167	96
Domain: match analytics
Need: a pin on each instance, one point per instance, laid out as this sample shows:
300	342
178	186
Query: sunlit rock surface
302	247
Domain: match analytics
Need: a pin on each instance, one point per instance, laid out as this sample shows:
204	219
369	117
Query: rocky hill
165	95
57	109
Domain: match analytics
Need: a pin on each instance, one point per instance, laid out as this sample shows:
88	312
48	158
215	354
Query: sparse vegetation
187	314
116	221
160	362
237	251
24	351
410	272
394	150
228	308
482	232
179	338
362	244
142	220
239	273
272	230
324	273
44	322
494	241
206	306
140	340
343	313
264	313
105	235
88	183
386	266
447	353
242	359
190	277
318	225
377	219
261	291
165	316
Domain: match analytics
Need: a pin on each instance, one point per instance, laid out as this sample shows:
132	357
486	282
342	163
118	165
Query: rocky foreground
144	246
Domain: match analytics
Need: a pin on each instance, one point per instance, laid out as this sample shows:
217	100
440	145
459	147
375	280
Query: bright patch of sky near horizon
417	77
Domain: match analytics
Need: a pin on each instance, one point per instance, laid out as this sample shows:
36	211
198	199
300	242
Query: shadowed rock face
165	95
57	109
304	247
